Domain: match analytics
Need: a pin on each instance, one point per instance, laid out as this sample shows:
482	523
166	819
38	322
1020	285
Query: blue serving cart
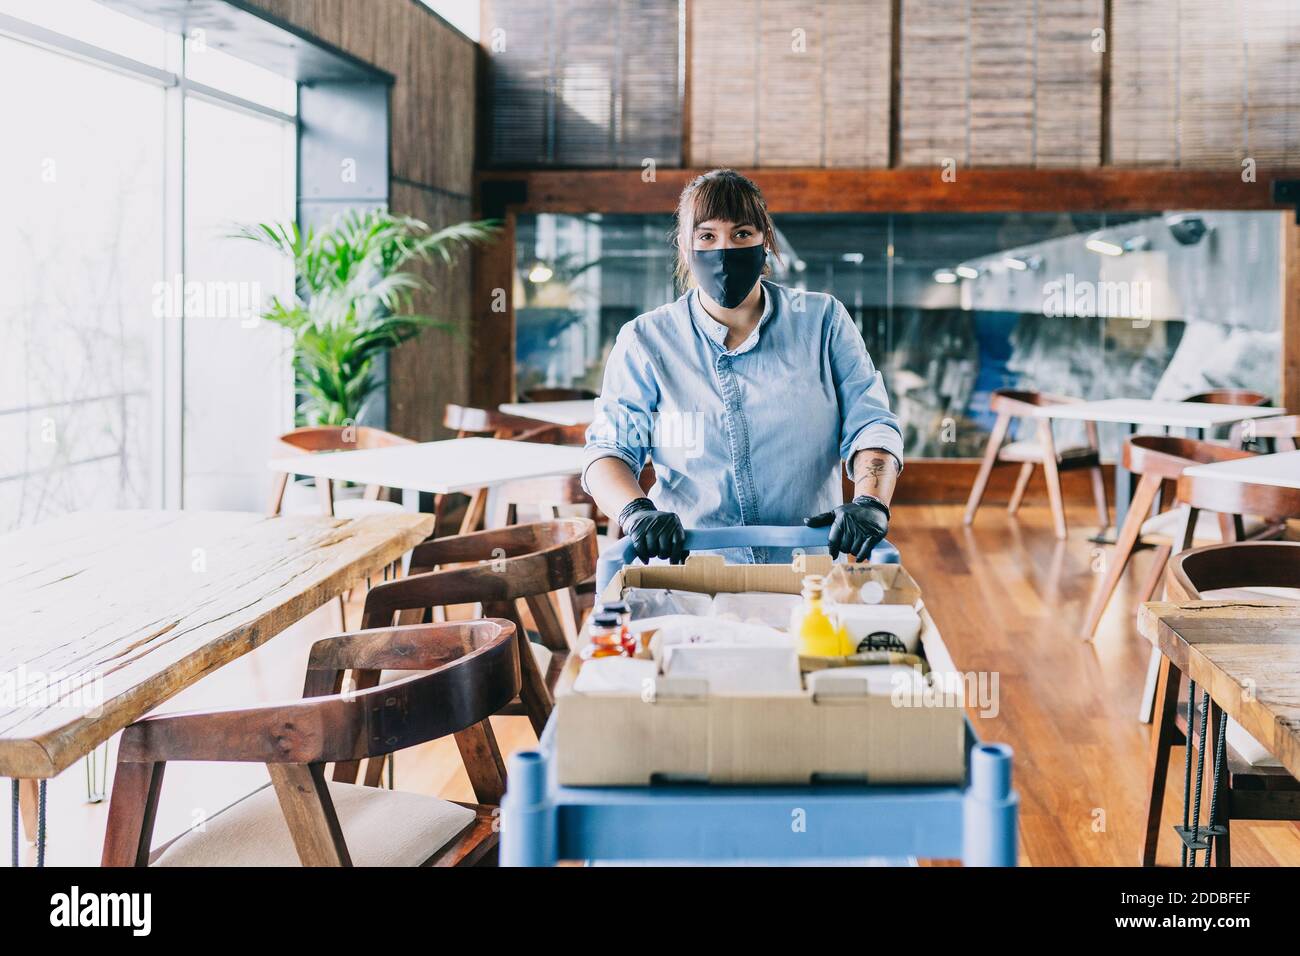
543	822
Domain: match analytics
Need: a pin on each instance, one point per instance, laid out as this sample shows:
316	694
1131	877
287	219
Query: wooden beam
1290	381
921	189
492	370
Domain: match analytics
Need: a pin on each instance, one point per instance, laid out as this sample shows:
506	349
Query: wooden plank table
1246	655
106	615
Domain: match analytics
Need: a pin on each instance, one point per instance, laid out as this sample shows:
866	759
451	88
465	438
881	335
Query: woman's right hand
654	533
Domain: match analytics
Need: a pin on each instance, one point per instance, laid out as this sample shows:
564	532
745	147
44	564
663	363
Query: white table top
1145	411
579	412
441	467
1281	470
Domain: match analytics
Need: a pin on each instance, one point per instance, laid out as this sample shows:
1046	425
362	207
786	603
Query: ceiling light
1103	247
945	276
853	257
968	272
1023	263
540	273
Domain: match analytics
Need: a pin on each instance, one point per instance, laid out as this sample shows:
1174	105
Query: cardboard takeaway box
674	733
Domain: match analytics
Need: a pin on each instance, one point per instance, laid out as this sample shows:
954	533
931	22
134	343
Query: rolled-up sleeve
865	417
623	424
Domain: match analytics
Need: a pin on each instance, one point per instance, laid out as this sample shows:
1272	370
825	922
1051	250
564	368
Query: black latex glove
856	527
654	533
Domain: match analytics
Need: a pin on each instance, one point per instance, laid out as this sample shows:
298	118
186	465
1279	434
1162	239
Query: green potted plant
352	293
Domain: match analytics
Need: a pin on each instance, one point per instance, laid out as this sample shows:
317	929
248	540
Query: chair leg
986	467
474	512
1124	545
1099	495
1155	575
1053	476
1022	481
1163	737
278	484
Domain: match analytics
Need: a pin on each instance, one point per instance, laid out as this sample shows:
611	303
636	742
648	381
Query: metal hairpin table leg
97	774
1220	746
1195	837
40	826
14	830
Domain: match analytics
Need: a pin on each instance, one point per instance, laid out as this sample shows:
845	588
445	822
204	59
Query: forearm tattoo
874	472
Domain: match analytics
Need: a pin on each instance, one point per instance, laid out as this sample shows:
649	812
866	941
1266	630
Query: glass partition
953	306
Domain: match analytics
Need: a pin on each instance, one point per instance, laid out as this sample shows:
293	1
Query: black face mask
728	275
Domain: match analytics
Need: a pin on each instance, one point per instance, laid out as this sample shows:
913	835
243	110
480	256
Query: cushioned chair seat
1032	451
1170	524
380	828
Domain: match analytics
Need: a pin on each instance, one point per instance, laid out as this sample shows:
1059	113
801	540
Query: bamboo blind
583	82
1000	82
1205	83
789	83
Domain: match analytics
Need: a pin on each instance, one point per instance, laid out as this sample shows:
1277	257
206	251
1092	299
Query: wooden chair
1159	461
1230	396
500	567
1282	431
1009	404
317	438
1251	789
470	422
472	671
558	394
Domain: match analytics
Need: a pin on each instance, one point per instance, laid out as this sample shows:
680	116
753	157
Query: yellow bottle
818	634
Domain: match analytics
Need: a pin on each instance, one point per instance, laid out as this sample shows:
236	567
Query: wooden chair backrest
1241	564
1227	496
1167	456
558	394
314	438
471	672
1230	396
517	562
466	421
1022	402
1284	429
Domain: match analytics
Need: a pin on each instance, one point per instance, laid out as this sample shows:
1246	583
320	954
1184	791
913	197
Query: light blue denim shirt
753	435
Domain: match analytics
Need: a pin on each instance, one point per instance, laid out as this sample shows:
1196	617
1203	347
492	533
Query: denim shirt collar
717	332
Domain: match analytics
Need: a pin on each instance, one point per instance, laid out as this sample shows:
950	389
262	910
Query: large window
134	372
953	306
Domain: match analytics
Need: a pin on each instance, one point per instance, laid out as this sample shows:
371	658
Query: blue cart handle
621	552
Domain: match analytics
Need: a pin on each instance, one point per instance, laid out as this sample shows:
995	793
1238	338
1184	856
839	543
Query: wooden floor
1008	598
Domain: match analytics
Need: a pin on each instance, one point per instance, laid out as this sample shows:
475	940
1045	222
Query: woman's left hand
856	527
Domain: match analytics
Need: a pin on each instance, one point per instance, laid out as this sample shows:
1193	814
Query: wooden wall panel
432	135
788	83
1144	82
1000	83
725	75
1205	83
583	82
433	369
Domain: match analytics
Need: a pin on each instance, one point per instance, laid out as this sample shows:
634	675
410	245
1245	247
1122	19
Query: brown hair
719	194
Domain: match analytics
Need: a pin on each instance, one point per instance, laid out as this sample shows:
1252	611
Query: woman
745	394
